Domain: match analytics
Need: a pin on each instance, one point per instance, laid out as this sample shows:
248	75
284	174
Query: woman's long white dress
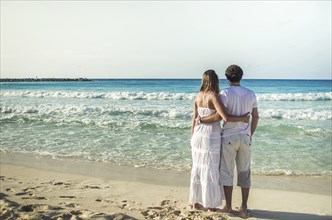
205	187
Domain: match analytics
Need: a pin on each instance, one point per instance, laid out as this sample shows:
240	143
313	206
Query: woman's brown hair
210	82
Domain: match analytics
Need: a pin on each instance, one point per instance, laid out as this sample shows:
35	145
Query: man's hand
198	120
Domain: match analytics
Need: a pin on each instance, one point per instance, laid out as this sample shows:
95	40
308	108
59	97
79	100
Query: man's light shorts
235	148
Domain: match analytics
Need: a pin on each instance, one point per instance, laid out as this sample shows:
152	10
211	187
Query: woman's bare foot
197	206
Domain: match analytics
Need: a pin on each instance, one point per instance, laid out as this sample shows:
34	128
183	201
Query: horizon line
154	78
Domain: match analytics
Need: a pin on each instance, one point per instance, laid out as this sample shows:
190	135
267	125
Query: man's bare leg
228	196
244	209
245	195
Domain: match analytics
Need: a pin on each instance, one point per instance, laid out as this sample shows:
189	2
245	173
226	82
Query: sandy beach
45	188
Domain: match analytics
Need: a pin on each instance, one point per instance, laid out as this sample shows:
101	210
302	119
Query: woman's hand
246	117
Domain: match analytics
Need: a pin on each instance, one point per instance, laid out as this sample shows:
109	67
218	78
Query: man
236	136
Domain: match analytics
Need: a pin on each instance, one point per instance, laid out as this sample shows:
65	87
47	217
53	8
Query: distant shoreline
45	80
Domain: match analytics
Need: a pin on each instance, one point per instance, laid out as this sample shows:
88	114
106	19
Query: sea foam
321	96
63	111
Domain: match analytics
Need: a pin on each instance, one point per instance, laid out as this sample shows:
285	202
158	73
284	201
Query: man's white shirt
238	101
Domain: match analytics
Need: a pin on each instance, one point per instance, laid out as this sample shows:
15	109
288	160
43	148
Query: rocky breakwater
45	80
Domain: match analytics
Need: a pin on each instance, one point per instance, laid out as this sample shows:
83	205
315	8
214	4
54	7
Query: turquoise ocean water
146	122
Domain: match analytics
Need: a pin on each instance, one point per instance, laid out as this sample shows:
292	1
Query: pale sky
165	39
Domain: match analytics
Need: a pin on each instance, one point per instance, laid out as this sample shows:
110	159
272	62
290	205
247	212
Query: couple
216	149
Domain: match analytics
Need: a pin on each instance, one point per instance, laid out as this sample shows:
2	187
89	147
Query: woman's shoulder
213	95
200	94
207	95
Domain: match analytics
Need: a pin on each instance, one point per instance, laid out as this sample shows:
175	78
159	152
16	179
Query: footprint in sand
39	207
130	205
29	194
76	212
33	188
21	194
8	208
67	197
167	209
72	205
40	198
59	183
35	197
69	205
10	190
105	200
122	206
168	203
91	187
86	214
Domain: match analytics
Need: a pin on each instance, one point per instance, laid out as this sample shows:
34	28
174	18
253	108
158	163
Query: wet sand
37	188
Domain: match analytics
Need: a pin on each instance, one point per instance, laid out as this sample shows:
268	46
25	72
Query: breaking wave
321	96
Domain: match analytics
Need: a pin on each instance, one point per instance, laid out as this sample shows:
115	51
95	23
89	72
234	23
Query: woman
205	189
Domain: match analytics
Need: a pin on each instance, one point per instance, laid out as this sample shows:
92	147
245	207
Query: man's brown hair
234	73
